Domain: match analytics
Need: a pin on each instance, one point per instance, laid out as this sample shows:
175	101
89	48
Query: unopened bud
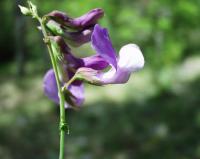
25	10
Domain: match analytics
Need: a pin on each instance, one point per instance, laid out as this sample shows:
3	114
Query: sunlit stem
63	124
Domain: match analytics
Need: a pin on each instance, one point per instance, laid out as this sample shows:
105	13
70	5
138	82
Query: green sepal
56	51
54	27
88	75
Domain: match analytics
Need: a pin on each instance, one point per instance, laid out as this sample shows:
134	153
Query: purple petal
113	76
130	60
77	91
78	38
95	62
75	38
89	18
103	46
50	86
59	16
51	91
82	22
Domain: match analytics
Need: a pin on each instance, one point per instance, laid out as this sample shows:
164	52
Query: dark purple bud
84	21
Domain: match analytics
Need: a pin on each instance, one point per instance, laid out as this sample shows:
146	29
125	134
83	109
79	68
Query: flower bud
33	8
25	10
86	20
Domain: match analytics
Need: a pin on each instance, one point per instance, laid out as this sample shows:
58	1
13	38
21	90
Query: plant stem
63	124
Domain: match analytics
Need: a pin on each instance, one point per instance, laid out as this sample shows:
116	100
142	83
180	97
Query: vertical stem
63	124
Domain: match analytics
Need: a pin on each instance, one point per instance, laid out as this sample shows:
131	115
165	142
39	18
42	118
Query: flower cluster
76	32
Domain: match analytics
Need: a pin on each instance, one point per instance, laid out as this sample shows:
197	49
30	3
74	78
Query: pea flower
91	69
130	58
70	64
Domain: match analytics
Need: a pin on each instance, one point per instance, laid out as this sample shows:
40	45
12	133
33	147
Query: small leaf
25	10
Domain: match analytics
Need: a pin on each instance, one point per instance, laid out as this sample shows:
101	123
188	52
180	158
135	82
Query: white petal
131	58
109	75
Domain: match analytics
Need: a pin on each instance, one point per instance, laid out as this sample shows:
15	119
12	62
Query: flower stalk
63	126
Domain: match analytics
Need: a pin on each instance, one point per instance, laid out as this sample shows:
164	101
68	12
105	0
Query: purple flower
74	38
130	59
75	94
87	20
70	64
91	69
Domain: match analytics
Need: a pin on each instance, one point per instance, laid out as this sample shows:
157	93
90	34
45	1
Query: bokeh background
156	115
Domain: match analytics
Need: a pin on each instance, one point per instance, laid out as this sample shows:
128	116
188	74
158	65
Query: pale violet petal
102	44
131	58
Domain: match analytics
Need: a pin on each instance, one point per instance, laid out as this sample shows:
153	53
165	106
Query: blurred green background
156	115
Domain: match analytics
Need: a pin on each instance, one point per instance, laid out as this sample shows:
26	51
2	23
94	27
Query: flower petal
78	38
95	62
75	38
103	46
51	90
50	86
131	58
77	91
113	76
82	22
89	18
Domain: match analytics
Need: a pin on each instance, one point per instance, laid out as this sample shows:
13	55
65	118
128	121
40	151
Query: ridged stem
63	125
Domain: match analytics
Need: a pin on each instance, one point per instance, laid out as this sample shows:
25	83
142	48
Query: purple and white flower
91	69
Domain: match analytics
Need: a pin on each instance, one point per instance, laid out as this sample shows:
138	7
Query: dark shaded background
156	115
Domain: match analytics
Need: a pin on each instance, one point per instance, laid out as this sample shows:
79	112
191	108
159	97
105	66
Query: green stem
63	124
